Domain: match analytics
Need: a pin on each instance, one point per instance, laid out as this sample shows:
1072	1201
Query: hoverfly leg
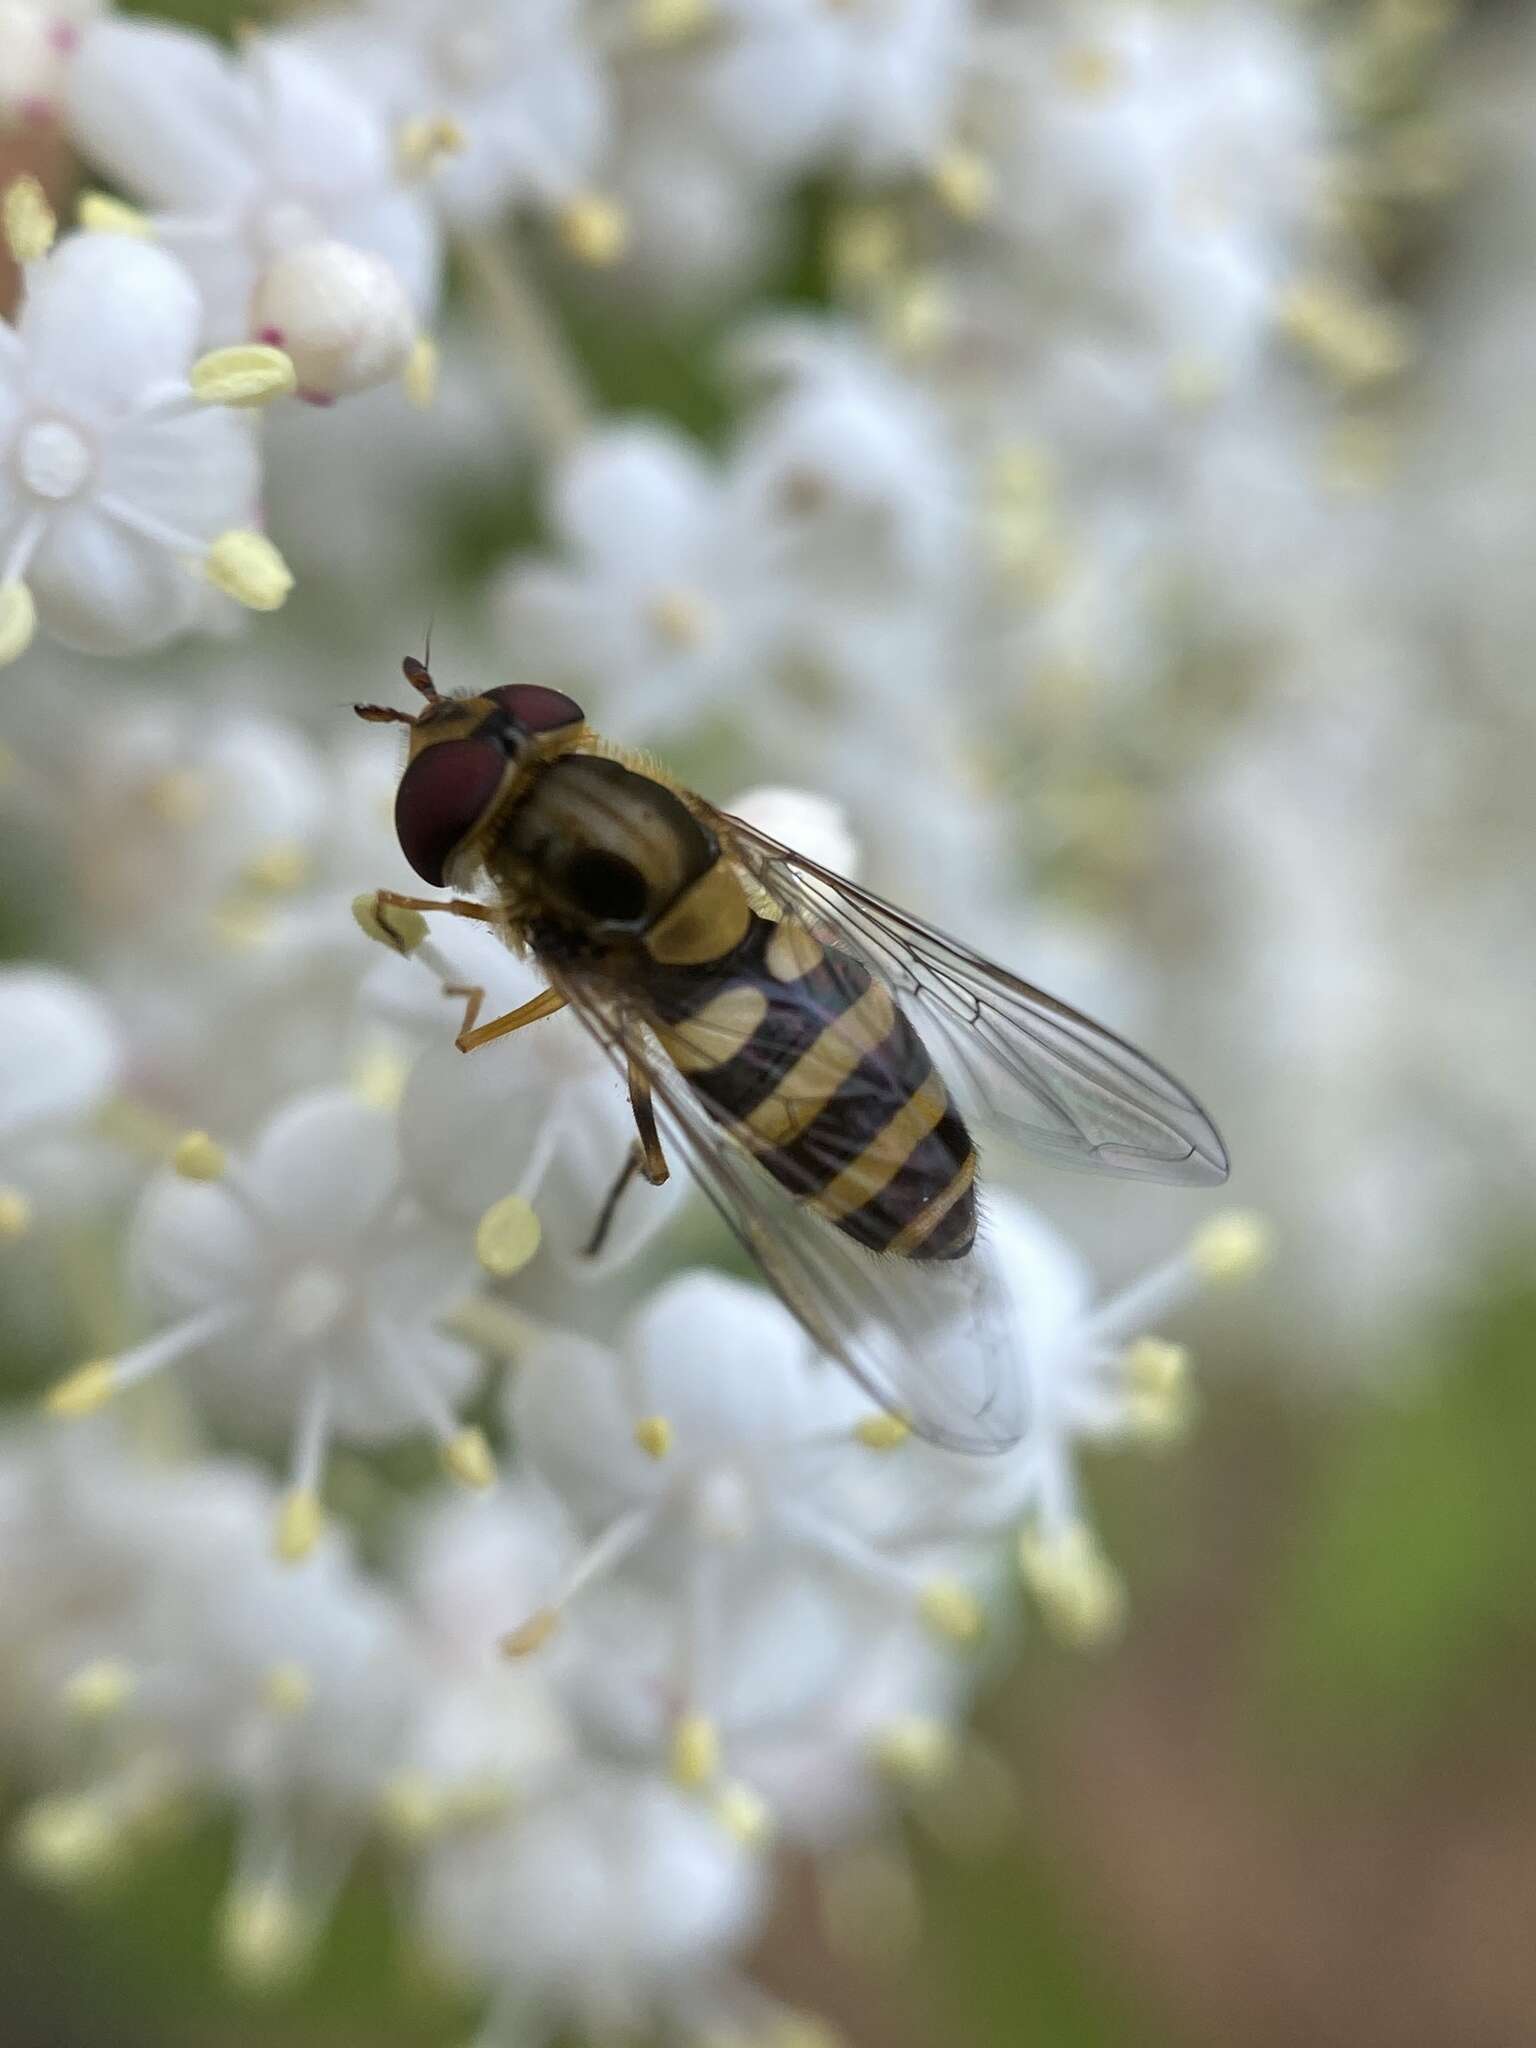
455	906
471	1035
653	1161
634	1160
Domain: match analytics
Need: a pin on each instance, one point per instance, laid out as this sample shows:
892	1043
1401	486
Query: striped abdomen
811	1064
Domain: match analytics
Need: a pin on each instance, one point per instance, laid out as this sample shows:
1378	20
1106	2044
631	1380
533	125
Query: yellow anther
100	214
678	619
671	21
300	1519
15	1215
1230	1247
592	229
422	374
1079	1592
490	1326
1354	341
377	1077
27	220
242	926
917	318
915	1750
866	243
533	1635
801	2030
424	142
744	1814
198	1157
84	1391
246	567
411	1807
1088	72
98	1690
18	621
951	1611
261	1934
180	797
507	1236
287	1688
248	375
882	1432
1154	1366
467	1458
65	1840
695	1751
963	182
401	930
653	1433
282	867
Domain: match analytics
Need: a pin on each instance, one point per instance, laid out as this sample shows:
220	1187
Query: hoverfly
817	1056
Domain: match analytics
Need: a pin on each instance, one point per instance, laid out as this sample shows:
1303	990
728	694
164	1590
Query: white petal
165	114
60	1055
107	318
325	138
324	1168
200	475
103	591
635	494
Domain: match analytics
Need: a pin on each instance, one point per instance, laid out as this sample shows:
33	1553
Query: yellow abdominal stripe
817	1075
715	1034
886	1153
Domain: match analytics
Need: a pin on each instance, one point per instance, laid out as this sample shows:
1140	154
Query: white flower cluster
1025	536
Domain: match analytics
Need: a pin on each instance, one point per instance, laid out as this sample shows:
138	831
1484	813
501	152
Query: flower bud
340	314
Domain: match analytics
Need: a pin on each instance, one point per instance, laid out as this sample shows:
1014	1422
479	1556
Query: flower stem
561	410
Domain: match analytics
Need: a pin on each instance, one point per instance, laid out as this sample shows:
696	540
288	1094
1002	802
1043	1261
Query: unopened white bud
340	314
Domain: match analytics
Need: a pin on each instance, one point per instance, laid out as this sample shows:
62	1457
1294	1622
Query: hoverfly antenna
383	714
419	676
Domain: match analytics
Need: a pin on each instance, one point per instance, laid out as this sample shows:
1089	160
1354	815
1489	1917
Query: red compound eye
442	795
535	708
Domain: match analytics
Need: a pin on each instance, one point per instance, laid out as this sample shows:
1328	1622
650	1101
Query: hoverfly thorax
471	759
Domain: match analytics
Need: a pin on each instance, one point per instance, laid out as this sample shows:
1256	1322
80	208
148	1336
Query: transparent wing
930	1343
1017	1060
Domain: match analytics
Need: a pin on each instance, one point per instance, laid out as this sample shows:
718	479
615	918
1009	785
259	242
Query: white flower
116	482
246	161
541	1117
750	1495
61	1057
307	1292
812	825
667	598
37	40
612	1906
791	85
518	94
339	313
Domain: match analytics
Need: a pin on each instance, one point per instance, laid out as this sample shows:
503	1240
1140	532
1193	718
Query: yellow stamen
401	930
411	1807
27	221
249	375
653	1433
261	1934
377	1077
287	1688
915	1750
282	867
882	1432
197	1157
951	1611
100	214
507	1236
963	182
246	567
533	1635
83	1392
671	21
300	1519
695	1751
1356	341
593	229
744	1814
16	1214
99	1690
425	142
1078	1591
64	1840
18	621
467	1458
422	373
1230	1247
